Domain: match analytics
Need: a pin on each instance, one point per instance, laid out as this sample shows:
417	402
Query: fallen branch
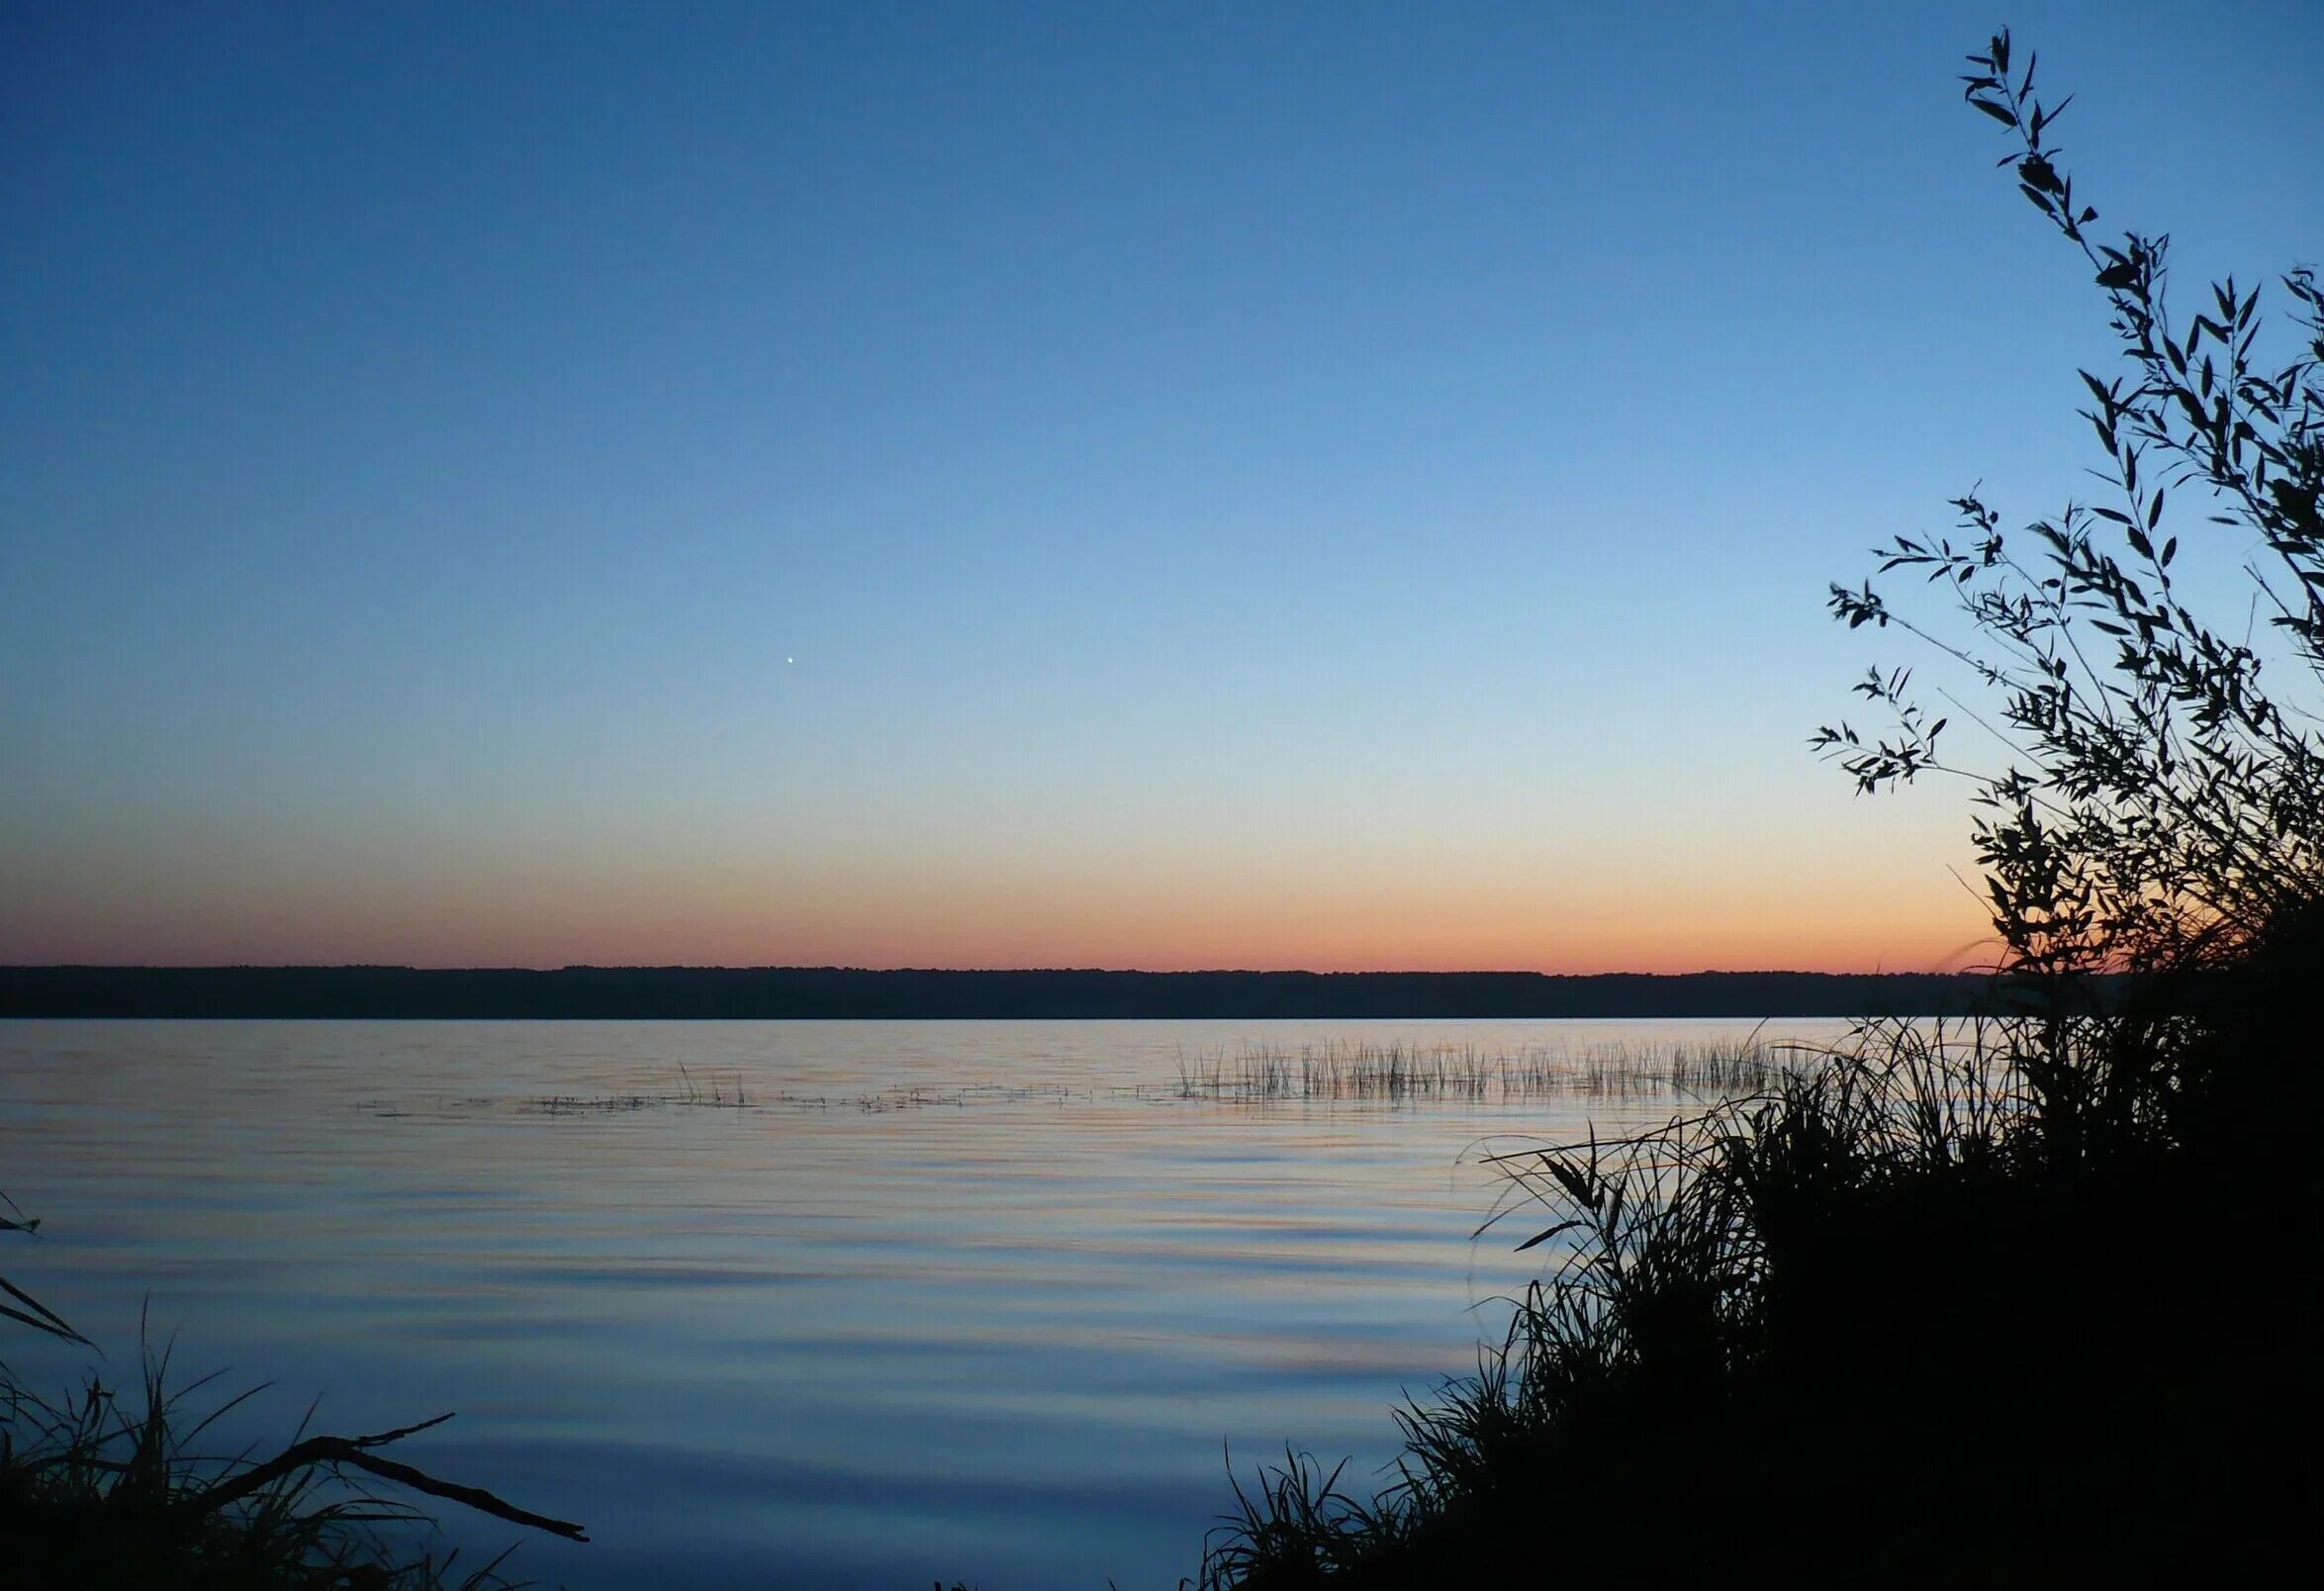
333	1452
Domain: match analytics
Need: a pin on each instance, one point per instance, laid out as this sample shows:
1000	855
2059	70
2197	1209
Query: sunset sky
986	485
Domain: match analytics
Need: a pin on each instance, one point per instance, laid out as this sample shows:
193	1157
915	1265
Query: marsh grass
21	1307
1356	1072
1398	1072
101	1491
728	1093
2002	1302
108	1488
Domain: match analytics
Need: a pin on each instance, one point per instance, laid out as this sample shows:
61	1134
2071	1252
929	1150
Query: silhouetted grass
110	1491
2015	1301
100	1492
1401	1072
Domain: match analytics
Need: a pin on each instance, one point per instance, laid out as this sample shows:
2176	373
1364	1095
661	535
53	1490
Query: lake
778	1304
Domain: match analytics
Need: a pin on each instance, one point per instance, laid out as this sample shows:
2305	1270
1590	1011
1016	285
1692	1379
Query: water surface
791	1303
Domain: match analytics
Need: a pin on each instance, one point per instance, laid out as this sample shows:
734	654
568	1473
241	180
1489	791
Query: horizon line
962	972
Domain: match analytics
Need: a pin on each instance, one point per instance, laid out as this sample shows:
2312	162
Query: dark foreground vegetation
1942	1310
125	1489
2024	1300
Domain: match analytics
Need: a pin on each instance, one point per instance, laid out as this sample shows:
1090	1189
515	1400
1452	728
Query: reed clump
107	1492
1397	1073
2023	1300
110	1491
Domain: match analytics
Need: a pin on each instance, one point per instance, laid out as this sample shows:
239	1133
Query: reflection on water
813	1304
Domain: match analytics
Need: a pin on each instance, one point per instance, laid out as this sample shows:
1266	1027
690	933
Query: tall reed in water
1398	1072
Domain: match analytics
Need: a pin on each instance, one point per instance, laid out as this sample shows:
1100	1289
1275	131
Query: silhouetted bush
2022	1299
2160	805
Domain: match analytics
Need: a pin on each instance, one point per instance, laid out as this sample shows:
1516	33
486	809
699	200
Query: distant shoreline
833	993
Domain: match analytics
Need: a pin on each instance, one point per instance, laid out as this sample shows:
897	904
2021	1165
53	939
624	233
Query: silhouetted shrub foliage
2158	803
2016	1299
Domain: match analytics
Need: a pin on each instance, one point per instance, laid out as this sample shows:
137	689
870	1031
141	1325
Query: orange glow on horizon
1841	895
1580	925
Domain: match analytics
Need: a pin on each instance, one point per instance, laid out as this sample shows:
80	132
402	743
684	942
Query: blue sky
990	485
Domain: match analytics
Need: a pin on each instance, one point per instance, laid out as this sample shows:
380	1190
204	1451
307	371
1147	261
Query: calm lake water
986	1300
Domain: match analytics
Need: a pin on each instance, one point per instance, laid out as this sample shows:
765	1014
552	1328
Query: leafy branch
2157	799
